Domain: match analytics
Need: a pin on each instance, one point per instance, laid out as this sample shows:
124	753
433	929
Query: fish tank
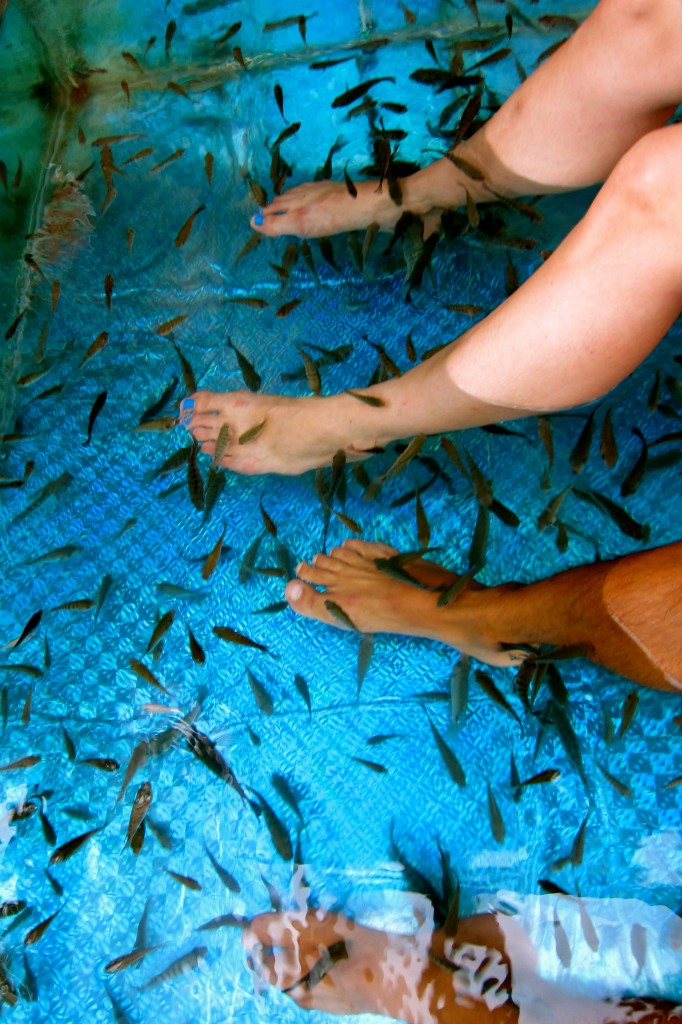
180	751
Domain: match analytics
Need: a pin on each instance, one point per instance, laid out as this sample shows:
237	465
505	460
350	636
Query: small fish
629	708
228	880
253	242
184	232
163	424
252	433
285	791
279	98
249	300
488	686
141	805
578	456
188	962
352	191
619	786
334	954
374	766
130	238
625	523
495	816
262	697
144	673
365	652
578	846
287	308
161	628
12	329
179	90
121	963
130	59
164	163
340	615
231	31
39	930
81	604
233	637
239	57
276	828
170	32
67	850
224	921
608	449
371	400
97	407
105	764
322	65
548	775
358	91
302	688
98	344
634	478
22	762
450	760
186	880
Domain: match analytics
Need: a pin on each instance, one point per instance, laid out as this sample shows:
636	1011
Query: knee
646	182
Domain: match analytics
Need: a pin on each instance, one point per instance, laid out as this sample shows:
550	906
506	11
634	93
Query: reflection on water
543	960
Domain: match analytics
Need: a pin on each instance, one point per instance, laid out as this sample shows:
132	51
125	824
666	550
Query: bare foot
297	434
321	208
374	602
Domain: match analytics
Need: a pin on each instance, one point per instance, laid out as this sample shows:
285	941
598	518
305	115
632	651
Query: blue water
633	846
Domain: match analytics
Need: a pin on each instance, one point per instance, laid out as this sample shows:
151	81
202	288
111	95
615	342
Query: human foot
360	595
318	209
296	434
324	961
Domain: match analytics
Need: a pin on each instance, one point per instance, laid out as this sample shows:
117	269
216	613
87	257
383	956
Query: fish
322	65
490	689
239	57
213	557
286	133
495	817
372	400
625	523
36	933
262	697
276	828
228	880
81	604
144	673
448	756
28	670
66	551
249	300
105	764
164	163
12	329
285	791
179	90
97	407
562	946
340	615
333	954
581	450
26	711
160	629
205	750
288	307
170	325
184	232
233	637
638	944
224	921
67	850
304	692
231	31
188	962
608	449
619	786
252	433
252	243
629	708
578	846
97	345
163	424
365	652
170	32
130	237
141	805
634	478
22	762
186	880
140	155
121	963
130	59
548	775
358	91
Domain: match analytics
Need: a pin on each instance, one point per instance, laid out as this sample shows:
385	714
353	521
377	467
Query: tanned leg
627	612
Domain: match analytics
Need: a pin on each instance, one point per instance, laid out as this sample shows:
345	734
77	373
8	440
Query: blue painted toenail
186	405
258	218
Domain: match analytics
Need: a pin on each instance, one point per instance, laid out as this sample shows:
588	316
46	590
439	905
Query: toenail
295	590
258	218
186	405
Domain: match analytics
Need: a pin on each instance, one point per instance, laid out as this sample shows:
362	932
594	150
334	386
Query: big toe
307	601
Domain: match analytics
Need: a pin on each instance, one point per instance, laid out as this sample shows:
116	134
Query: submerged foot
317	209
275	434
360	595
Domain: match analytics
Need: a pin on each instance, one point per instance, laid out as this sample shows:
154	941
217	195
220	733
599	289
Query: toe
316	574
370	549
346	555
304	600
